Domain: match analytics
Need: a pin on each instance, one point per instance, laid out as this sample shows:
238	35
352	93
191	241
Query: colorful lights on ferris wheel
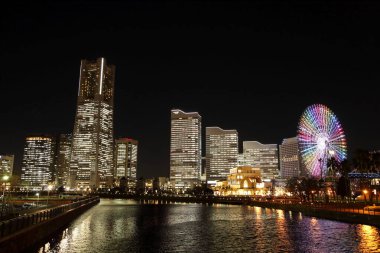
320	137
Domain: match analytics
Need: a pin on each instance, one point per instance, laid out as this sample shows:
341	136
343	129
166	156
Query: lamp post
38	197
5	179
365	197
49	189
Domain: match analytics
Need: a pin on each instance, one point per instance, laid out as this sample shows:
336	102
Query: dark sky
248	66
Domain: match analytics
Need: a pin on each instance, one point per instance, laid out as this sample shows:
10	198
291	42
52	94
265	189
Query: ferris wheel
320	137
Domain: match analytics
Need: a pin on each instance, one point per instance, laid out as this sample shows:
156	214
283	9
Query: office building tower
37	165
241	161
263	156
126	161
6	165
221	153
62	160
91	161
185	149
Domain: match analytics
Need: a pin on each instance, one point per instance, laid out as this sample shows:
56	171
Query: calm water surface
128	226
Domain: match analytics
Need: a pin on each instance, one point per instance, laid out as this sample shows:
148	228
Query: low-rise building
242	180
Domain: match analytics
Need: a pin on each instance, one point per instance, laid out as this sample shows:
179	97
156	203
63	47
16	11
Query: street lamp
38	197
49	189
5	179
365	197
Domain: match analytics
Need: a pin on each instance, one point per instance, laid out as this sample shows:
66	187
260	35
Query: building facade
62	160
6	165
185	149
37	165
91	161
242	180
290	160
221	153
263	156
126	161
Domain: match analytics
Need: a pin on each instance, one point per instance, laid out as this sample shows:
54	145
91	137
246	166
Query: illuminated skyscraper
126	161
37	164
185	149
6	165
290	160
263	156
221	153
62	161
92	148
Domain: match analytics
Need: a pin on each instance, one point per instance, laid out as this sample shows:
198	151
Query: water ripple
127	226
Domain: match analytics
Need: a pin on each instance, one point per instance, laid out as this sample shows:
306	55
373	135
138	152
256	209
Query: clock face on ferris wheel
320	136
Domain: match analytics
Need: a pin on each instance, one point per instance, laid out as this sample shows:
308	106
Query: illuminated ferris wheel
320	137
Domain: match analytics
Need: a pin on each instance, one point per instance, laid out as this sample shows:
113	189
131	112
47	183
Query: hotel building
185	149
263	156
221	153
290	160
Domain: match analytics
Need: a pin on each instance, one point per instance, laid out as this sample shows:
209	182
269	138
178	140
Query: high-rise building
37	165
185	149
126	161
221	153
290	160
91	161
6	165
241	159
62	161
263	156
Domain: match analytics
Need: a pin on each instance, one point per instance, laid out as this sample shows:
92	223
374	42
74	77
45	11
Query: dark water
127	226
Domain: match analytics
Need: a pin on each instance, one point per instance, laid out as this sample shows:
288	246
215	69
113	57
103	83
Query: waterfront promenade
19	233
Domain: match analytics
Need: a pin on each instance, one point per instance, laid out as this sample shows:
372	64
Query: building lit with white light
241	159
37	165
185	149
263	156
62	161
6	165
91	161
221	153
126	161
290	159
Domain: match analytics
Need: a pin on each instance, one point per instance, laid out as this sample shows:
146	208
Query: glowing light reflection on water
128	226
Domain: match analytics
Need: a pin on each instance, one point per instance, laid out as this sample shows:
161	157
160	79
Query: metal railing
11	226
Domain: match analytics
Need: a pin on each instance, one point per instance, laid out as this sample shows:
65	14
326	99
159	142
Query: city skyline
226	70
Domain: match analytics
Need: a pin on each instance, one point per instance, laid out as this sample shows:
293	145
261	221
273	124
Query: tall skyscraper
91	162
290	160
62	161
263	156
221	153
37	165
185	149
6	165
126	161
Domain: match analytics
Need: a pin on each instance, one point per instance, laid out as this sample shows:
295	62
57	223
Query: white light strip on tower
80	76
101	76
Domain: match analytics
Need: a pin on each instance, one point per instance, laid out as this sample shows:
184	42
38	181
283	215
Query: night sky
248	66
